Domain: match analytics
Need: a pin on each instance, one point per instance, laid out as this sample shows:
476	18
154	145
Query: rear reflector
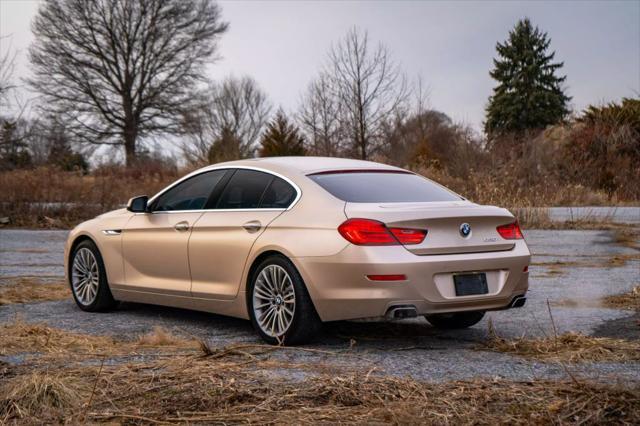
525	269
368	232
396	277
510	232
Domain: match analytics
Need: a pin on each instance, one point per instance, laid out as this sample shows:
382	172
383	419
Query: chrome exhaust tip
401	311
518	302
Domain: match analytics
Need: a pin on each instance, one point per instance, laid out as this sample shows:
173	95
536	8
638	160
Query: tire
456	320
263	297
94	295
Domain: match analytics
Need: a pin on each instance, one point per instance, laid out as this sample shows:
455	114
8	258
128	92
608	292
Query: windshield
382	187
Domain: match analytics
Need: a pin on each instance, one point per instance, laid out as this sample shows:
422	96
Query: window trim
230	168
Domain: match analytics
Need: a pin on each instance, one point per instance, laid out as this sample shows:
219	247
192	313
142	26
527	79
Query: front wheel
88	279
455	320
279	305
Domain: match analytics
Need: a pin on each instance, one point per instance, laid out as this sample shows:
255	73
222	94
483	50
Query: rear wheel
279	305
455	320
88	279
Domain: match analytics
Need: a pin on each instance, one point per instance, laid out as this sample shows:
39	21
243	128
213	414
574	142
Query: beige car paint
155	250
149	261
219	247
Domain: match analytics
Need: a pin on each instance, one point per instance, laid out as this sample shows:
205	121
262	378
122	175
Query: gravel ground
570	273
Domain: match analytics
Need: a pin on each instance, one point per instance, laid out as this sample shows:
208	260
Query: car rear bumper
340	289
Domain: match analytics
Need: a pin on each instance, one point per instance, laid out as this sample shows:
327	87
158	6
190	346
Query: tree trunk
130	149
130	132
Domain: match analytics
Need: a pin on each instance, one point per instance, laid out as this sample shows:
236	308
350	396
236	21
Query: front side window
244	190
192	194
382	187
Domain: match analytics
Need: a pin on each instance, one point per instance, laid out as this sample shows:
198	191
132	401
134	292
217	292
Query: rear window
381	187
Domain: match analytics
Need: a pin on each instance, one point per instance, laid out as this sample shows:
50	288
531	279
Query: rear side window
279	195
244	190
192	194
381	187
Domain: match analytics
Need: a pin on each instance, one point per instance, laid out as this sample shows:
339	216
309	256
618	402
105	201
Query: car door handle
181	226
253	226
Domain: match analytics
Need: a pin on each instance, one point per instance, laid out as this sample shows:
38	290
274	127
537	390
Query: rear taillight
408	236
510	232
367	232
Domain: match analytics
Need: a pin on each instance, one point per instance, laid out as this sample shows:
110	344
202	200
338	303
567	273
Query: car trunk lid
443	222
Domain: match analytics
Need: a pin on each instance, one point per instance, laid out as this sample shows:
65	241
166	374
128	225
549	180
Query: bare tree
119	70
7	64
229	113
319	117
369	87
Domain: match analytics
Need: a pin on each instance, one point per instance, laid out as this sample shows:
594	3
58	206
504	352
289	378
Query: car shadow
338	335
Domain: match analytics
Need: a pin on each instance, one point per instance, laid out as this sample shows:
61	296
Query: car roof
308	165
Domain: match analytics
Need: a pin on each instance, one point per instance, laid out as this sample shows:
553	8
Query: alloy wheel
274	300
85	276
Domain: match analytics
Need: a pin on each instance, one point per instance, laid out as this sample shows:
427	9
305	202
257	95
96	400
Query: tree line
125	72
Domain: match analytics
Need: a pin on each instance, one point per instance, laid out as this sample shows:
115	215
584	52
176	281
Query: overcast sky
449	44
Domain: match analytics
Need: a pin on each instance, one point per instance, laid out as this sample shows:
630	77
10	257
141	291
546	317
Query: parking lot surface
571	272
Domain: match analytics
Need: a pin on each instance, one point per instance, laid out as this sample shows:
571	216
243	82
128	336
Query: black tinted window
244	190
279	194
191	194
372	187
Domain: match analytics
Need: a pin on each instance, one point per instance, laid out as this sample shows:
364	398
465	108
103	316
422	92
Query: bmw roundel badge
465	230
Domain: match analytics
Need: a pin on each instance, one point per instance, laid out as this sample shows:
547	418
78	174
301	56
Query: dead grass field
29	290
629	300
163	378
567	347
45	197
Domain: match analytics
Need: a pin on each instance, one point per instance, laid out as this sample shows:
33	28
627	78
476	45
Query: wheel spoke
287	310
263	294
264	317
78	266
281	322
274	279
266	281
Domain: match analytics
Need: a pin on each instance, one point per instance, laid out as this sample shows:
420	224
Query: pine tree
281	138
529	94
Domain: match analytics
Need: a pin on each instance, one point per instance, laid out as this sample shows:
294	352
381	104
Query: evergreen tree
529	93
14	150
281	138
225	148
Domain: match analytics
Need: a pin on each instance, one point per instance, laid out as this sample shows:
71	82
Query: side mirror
138	204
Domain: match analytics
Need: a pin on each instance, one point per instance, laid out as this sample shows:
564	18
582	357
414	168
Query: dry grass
239	389
21	337
50	198
162	337
627	237
37	394
244	384
629	300
29	290
570	347
557	267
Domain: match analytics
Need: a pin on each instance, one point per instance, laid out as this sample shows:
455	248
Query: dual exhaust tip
518	302
401	311
409	311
